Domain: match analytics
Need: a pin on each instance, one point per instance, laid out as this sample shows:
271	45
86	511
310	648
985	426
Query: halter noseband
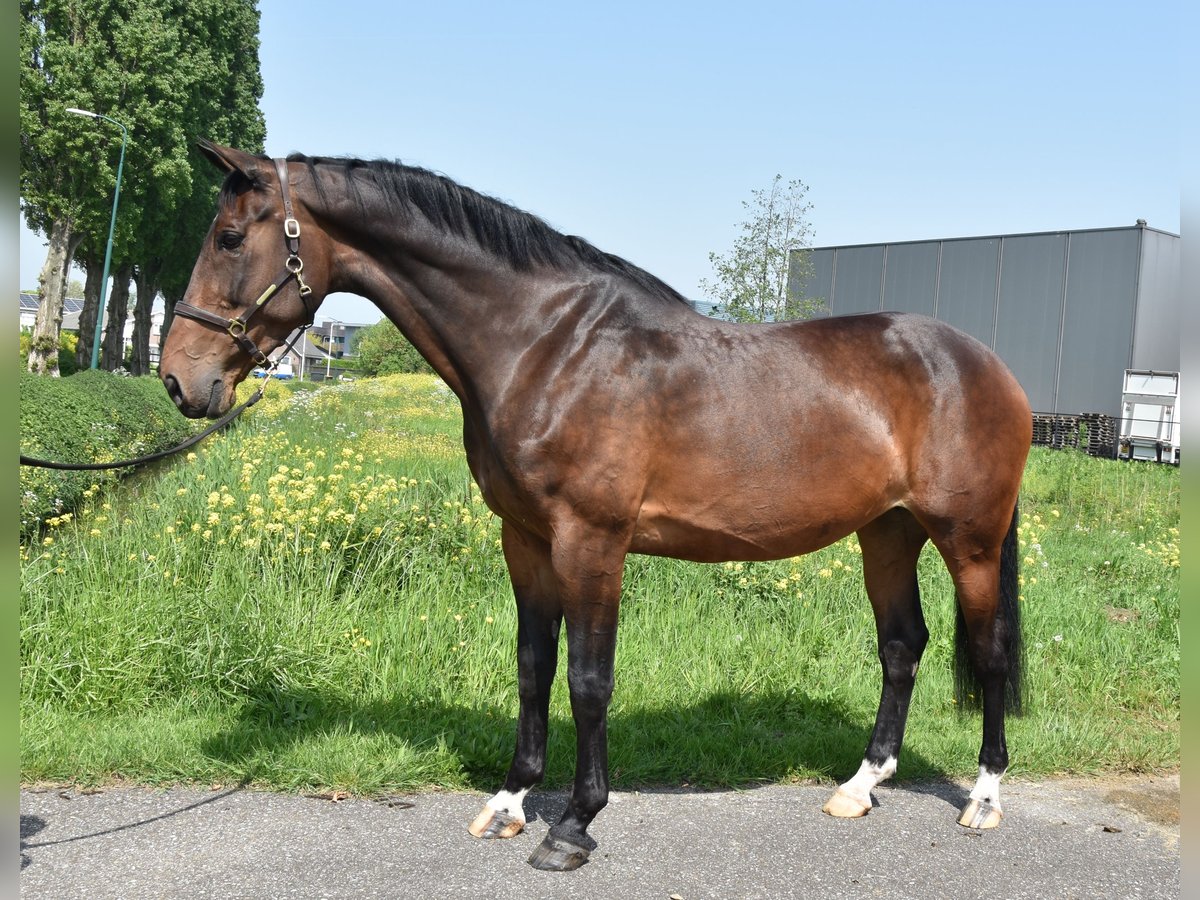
293	268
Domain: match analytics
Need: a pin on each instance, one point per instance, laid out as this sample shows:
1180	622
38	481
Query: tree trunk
87	316
43	346
169	302
147	290
112	354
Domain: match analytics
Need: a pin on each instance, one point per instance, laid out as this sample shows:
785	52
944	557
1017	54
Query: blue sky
643	126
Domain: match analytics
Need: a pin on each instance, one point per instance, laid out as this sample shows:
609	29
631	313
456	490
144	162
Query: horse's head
251	287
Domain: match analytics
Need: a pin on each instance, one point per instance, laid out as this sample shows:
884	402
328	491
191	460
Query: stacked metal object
1093	433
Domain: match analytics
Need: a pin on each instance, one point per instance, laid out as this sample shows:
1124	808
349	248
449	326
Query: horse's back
872	379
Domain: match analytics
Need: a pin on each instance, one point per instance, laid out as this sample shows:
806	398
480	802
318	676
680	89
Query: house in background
29	308
70	322
309	357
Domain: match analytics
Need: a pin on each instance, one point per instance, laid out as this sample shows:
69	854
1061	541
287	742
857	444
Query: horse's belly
723	506
713	536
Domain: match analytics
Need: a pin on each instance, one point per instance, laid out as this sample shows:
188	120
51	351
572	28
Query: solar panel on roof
30	303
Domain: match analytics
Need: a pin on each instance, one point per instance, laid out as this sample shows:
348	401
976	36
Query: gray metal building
1068	311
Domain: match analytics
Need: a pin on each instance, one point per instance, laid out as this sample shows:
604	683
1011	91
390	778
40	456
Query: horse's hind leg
891	545
989	636
538	619
983	567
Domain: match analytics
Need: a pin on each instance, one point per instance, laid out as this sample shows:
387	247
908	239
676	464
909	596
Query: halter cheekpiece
293	268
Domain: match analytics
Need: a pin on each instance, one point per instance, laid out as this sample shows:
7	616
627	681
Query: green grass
317	599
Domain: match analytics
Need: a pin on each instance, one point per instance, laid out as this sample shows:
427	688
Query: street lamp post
104	289
329	348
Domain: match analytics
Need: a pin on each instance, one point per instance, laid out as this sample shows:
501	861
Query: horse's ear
227	159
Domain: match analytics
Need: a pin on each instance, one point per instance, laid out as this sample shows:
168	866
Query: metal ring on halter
297	268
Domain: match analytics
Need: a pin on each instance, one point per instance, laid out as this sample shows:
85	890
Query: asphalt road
1059	839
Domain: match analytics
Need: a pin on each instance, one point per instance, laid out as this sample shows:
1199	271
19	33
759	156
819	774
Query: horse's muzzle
213	408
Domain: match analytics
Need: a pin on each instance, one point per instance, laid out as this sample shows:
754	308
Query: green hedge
93	416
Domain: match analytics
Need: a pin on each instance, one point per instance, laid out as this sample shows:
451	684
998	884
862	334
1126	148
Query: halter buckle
291	228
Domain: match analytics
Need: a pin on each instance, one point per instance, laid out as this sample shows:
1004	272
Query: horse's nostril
174	391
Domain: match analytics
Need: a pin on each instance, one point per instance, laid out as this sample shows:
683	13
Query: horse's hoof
842	806
980	814
492	823
556	855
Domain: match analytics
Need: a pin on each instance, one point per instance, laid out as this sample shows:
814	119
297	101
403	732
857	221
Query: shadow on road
707	744
31	825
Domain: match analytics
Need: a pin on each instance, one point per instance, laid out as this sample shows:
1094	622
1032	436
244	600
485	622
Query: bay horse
603	416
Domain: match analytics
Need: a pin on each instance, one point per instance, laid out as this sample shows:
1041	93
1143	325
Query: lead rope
190	442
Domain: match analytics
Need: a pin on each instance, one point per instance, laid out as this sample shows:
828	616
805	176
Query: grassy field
317	599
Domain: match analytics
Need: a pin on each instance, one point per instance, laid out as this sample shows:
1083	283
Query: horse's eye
229	240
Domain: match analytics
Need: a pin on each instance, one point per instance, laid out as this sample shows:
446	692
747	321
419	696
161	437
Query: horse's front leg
539	616
589	577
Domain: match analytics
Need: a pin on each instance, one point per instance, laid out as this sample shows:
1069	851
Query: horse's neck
473	318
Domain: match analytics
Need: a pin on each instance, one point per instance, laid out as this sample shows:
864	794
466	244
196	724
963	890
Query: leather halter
293	268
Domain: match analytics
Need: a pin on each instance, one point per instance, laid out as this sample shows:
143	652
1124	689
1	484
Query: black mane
515	236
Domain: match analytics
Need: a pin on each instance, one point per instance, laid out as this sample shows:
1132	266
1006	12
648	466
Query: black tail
966	684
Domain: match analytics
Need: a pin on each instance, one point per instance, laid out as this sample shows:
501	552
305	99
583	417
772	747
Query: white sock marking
866	778
987	788
510	803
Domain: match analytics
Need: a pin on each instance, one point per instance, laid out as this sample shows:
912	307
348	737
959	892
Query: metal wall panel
819	284
1160	304
1029	316
967	287
858	280
1068	342
1097	341
910	278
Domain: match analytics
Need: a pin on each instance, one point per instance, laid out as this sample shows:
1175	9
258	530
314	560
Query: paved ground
1059	839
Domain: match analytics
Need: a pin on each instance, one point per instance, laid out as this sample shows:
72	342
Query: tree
381	349
87	315
751	283
221	38
226	99
64	170
112	342
170	70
